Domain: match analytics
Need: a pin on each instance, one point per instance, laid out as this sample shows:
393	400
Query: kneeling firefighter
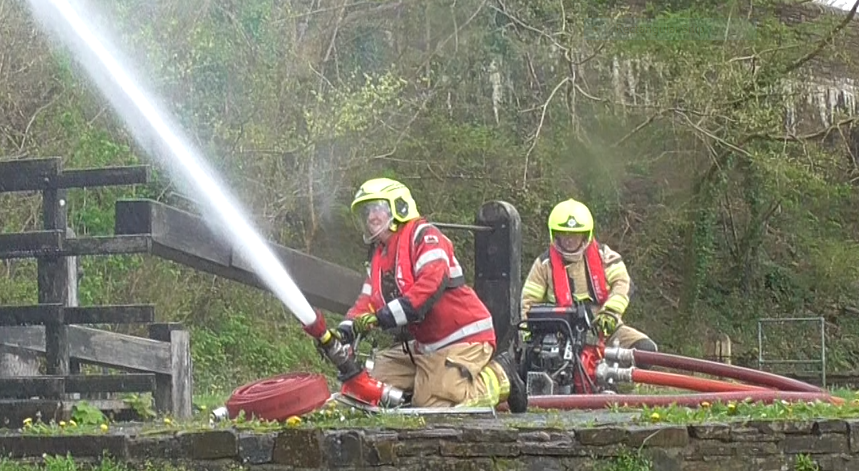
576	268
414	280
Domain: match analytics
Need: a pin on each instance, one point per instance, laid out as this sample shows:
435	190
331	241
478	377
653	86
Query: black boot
646	345
518	398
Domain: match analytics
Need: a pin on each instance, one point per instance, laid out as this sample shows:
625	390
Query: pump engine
562	353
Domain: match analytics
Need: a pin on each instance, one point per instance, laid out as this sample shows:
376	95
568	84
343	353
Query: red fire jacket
435	303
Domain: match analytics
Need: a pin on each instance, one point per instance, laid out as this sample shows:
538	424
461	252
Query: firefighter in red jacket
414	281
578	269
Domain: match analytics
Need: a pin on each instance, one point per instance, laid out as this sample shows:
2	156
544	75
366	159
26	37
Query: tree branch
749	93
719	160
640	127
455	34
539	128
827	41
503	10
804	137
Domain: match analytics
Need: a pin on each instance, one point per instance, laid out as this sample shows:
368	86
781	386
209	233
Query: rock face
762	445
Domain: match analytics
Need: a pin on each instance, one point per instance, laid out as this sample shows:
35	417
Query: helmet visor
372	218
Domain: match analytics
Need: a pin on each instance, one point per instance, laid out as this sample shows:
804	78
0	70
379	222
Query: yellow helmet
382	196
571	216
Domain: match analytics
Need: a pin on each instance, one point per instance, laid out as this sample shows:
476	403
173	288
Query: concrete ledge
833	444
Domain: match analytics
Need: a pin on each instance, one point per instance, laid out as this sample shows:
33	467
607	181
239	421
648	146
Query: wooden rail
185	238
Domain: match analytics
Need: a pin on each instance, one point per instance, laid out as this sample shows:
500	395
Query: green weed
627	461
805	463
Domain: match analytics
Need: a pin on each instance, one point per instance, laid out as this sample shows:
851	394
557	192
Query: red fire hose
279	397
692	383
748	375
601	401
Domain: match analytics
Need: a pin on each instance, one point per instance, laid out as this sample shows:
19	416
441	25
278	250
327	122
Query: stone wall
763	446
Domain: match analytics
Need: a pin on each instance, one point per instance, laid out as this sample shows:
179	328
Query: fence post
53	276
173	392
498	267
72	301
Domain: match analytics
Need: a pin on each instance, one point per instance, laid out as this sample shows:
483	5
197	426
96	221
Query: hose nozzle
338	354
356	381
371	391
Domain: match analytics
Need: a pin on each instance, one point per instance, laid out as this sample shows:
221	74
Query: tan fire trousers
459	375
625	336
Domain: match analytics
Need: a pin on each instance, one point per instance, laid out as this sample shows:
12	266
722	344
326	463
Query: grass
330	416
88	420
744	411
733	411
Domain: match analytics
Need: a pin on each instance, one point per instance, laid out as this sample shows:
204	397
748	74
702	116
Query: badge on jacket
430	239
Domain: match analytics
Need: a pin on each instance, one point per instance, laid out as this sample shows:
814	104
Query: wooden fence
55	328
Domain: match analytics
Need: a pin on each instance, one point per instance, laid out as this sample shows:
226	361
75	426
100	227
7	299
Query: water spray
150	125
186	161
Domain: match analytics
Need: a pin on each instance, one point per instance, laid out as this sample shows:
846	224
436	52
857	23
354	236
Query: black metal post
498	267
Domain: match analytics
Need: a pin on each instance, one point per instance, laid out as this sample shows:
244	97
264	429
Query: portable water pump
356	381
562	355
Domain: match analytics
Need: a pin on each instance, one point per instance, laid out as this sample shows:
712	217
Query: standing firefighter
414	280
577	269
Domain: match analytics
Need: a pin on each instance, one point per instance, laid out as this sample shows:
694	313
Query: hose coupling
620	356
613	374
391	396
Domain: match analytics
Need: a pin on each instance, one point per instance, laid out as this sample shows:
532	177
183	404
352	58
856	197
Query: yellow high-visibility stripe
533	289
617	303
613	272
492	396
